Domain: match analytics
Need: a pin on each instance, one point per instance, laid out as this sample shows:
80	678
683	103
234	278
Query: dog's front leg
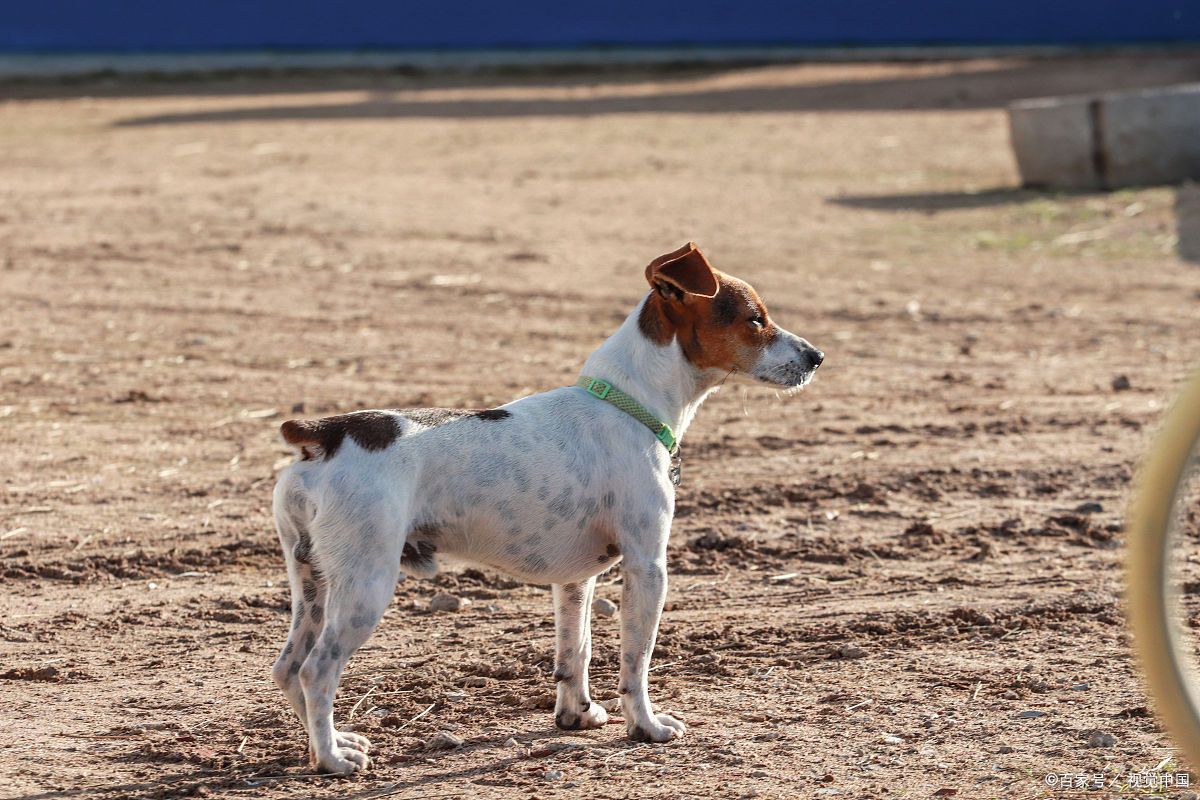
573	621
642	597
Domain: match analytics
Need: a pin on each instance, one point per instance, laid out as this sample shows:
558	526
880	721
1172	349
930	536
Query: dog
551	488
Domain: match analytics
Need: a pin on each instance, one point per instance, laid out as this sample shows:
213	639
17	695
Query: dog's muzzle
789	362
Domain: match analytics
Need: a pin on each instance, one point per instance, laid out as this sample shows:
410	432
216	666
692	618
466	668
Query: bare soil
871	583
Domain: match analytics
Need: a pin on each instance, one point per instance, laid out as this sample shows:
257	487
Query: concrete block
1110	140
1152	136
1052	140
1187	221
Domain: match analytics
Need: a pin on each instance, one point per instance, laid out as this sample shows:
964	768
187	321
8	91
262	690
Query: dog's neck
658	376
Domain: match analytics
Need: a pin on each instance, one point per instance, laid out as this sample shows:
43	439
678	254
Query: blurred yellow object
1158	638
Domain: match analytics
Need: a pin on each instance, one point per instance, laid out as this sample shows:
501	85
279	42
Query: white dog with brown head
552	488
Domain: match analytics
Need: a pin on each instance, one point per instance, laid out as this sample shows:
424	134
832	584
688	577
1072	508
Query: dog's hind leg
574	708
359	584
307	594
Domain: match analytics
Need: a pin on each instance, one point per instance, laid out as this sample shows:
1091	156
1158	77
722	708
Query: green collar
611	394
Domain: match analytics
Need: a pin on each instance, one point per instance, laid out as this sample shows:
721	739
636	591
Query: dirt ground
873	583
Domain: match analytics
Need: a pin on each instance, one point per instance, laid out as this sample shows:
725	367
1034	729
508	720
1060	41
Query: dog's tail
319	439
307	435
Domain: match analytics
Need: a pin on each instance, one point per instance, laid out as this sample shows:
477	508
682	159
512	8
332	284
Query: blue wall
127	25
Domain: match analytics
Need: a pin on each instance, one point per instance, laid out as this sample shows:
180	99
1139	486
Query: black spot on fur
563	505
638	734
334	652
420	550
310	590
293	669
609	500
535	564
493	414
727	307
561	675
298	620
310	641
287	650
317	614
586	707
302	552
362	621
612	550
567	721
370	430
432	417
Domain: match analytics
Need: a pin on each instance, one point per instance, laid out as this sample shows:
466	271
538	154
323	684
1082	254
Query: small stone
298	408
1009	694
553	775
444	740
851	651
475	682
544	702
1090	507
511	742
1101	739
612	705
443	601
760	773
604	608
1081	687
1031	714
892	740
1121	383
1005	749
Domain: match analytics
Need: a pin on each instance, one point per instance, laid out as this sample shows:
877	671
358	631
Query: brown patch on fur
715	331
370	430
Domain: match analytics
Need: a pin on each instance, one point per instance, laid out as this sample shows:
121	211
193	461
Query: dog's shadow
386	774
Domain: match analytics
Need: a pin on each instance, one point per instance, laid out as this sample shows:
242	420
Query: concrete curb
1108	141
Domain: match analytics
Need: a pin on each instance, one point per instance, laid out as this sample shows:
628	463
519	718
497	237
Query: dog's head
721	323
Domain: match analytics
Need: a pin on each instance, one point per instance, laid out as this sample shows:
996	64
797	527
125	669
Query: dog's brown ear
685	271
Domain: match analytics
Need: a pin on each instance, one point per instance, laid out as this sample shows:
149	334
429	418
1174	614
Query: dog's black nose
816	357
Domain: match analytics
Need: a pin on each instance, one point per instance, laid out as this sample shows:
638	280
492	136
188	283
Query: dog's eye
758	321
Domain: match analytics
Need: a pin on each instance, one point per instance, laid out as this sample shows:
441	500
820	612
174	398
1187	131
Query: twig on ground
624	752
362	699
417	717
261	779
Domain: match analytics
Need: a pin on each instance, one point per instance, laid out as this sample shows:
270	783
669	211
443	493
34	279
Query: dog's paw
594	717
343	761
662	728
352	740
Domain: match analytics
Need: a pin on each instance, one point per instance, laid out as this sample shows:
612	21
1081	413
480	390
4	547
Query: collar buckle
667	438
599	388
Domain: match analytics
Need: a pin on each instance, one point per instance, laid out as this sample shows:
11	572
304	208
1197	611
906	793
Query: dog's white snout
789	360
